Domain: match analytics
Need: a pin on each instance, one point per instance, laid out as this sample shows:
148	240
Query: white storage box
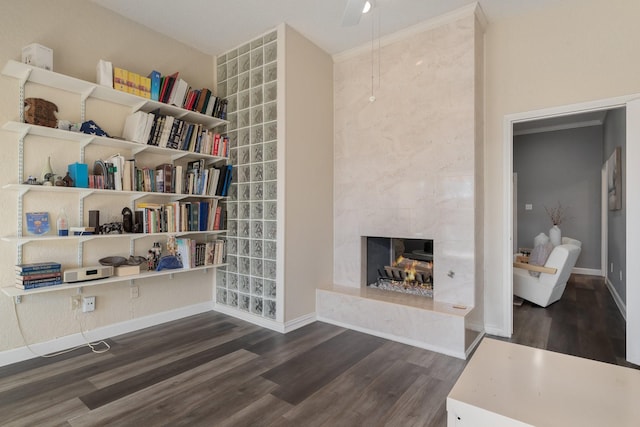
37	55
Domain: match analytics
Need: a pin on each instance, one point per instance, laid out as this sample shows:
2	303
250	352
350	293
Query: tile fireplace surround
409	164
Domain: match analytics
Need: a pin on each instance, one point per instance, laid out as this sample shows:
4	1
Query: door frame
632	204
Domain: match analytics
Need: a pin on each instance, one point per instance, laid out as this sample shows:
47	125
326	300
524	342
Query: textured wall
550	57
80	33
561	166
405	164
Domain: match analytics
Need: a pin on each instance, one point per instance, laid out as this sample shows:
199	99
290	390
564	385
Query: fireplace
400	265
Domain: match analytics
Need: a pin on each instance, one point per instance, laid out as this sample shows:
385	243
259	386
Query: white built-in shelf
29	73
22	240
85	192
86	139
13	291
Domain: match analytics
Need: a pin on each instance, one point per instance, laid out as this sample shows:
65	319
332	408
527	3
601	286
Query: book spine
44	282
39	285
155	85
145	87
53	275
39	268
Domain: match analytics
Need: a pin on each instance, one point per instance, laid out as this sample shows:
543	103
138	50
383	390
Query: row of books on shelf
180	216
197	178
191	252
38	275
197	254
166	131
171	90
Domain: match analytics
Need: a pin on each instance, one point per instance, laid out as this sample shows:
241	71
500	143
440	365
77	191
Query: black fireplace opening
400	265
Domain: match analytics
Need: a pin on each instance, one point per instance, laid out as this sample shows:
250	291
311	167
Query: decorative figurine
68	181
153	257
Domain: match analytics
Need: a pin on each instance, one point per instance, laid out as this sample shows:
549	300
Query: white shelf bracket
21	137
20	220
85	194
22	81
138	150
83	145
83	102
179	155
80	252
138	106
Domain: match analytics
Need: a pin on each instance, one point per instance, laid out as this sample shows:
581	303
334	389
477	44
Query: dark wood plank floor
585	322
214	370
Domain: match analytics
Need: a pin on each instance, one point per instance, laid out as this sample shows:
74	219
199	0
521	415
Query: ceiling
215	26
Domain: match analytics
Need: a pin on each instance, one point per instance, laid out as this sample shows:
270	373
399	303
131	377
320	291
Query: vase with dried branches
556	215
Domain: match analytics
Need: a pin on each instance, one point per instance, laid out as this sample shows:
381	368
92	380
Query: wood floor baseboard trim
59	344
616	298
301	321
473	345
251	318
495	330
403	340
587	271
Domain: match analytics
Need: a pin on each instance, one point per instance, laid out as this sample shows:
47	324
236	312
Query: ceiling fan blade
352	12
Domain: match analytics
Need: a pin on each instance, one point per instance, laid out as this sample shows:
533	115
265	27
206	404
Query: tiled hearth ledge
409	319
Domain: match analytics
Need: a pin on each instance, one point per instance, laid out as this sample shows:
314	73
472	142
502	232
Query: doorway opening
555	117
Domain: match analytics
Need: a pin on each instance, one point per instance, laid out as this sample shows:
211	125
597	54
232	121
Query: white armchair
549	287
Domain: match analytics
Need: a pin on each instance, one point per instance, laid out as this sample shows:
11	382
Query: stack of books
38	275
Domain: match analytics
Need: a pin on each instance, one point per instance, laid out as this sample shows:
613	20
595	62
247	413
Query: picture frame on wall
614	180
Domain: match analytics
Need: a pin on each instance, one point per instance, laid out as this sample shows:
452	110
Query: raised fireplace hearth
400	265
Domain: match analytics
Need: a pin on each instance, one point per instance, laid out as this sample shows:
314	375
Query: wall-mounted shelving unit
87	90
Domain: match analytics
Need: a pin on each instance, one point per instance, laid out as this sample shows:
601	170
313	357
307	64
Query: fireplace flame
410	272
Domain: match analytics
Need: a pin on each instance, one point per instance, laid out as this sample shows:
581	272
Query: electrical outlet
76	301
612	267
621	275
88	304
134	292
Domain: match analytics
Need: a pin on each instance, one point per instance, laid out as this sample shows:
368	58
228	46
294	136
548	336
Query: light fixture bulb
367	7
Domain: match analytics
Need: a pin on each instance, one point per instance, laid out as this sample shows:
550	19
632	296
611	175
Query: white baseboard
301	321
248	317
495	330
587	271
473	345
616	297
403	340
266	323
23	353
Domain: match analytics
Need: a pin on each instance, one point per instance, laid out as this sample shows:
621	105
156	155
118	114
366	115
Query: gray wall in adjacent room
615	135
561	166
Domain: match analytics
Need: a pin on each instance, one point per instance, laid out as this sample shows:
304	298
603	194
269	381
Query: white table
508	384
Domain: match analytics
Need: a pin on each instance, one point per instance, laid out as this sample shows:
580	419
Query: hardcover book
37	267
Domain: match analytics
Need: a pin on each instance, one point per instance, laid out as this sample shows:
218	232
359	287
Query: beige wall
80	33
575	51
308	173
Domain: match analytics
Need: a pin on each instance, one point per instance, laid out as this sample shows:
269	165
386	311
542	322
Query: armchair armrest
537	268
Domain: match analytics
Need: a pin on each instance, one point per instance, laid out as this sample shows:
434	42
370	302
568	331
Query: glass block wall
247	78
